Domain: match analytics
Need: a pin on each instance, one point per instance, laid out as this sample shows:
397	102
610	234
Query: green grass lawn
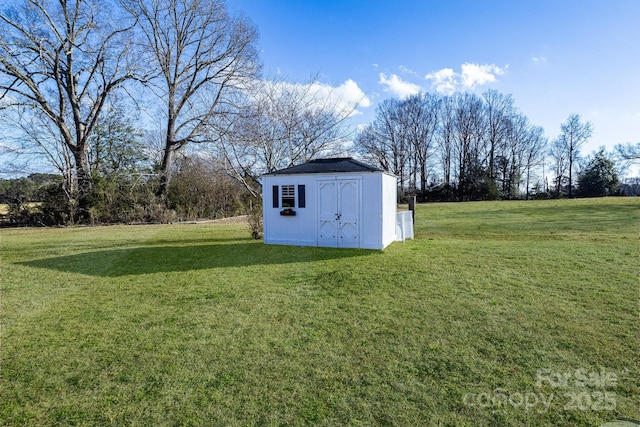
473	323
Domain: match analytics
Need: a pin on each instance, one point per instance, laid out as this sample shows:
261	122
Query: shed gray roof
333	165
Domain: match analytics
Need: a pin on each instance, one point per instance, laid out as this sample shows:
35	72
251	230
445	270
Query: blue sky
555	57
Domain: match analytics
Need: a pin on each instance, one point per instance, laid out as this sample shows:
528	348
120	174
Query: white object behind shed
338	202
404	227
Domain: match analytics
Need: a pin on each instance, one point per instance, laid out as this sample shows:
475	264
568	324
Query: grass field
499	313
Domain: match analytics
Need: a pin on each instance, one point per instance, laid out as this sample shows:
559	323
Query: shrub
255	221
198	190
57	207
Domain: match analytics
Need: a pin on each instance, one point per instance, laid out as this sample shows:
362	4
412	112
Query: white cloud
447	81
539	59
444	80
347	97
397	86
477	75
350	92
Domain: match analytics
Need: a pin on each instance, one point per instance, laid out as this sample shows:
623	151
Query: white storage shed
337	202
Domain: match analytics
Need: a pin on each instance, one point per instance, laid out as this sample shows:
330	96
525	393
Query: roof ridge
328	165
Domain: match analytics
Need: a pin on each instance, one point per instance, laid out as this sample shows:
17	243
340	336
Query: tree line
476	147
152	110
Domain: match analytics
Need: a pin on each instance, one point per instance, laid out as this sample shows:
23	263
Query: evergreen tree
599	177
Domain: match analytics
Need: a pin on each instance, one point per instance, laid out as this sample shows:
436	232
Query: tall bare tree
374	149
202	54
469	128
498	111
560	160
574	134
515	153
385	141
280	124
534	153
445	136
419	117
61	59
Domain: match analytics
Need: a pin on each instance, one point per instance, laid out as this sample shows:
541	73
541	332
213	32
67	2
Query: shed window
288	196
274	196
302	200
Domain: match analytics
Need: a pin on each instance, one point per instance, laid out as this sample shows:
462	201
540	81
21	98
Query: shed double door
339	213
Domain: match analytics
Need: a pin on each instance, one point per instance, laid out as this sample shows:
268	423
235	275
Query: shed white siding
298	230
389	208
346	209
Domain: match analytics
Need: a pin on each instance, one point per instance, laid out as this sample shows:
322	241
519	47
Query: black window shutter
301	196
275	196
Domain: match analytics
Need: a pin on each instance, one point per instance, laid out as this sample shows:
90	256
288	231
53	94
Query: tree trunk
423	178
570	169
84	185
167	162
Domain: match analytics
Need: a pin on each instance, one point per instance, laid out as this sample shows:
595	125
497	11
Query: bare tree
445	136
385	141
469	128
498	111
560	160
280	124
627	155
61	59
629	151
36	141
522	151
419	114
574	134
535	146
202	54
374	149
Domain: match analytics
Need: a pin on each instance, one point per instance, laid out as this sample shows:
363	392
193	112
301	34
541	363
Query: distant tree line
476	147
155	110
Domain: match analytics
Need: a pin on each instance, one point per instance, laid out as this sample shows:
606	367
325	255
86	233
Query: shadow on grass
166	259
